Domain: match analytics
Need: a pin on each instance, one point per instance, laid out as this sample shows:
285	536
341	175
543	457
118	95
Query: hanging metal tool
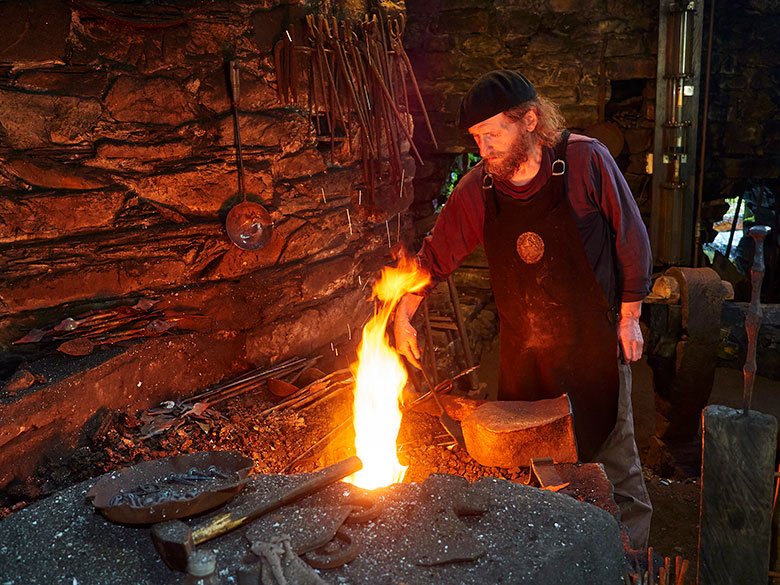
249	225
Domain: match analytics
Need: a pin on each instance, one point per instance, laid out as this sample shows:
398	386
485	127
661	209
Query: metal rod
734	225
754	313
429	342
234	83
255	374
464	338
330	433
697	252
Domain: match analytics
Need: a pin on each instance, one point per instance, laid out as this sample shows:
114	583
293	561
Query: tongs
450	425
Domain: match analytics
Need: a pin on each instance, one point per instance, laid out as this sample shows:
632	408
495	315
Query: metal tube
697	255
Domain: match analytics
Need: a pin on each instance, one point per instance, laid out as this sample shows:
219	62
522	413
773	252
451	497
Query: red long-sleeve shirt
609	222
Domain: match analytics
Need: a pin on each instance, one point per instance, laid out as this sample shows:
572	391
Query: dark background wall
743	122
744	116
597	60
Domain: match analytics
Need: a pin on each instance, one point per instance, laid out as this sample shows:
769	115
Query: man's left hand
630	337
629	332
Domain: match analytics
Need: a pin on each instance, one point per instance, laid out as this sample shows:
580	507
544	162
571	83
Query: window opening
462	164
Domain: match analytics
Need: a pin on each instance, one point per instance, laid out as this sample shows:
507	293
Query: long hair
551	123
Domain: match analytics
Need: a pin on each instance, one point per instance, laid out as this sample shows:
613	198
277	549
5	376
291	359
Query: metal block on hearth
512	433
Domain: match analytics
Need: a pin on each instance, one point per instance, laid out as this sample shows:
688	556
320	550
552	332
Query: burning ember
380	377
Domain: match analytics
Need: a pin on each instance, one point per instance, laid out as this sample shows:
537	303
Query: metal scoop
249	225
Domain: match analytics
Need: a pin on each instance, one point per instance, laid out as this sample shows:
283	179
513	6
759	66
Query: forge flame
380	377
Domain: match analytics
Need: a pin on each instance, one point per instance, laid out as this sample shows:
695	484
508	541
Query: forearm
408	306
630	310
404	333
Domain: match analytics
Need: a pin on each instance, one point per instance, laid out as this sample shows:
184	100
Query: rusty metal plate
174	487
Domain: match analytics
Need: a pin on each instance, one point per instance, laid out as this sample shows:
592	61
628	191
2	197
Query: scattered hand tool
339	551
450	424
175	540
548	478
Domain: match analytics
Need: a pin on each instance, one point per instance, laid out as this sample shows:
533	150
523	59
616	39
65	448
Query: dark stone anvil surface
523	535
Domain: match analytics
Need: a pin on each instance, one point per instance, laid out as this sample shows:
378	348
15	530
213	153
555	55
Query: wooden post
736	496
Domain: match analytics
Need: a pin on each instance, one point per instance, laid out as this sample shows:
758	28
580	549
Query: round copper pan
111	493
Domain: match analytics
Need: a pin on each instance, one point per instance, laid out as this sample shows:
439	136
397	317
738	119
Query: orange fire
380	377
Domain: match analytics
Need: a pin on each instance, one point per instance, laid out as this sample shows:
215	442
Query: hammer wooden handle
224	523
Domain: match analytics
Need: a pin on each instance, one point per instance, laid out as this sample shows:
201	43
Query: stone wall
743	121
596	59
744	112
568	48
118	168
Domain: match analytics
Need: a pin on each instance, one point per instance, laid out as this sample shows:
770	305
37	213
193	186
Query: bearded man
570	263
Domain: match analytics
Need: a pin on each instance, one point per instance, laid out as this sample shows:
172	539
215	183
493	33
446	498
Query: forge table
526	535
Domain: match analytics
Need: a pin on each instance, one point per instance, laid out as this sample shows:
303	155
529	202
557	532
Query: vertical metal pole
464	338
734	225
429	344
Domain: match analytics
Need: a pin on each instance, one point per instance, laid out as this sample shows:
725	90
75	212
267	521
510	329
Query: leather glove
403	331
629	332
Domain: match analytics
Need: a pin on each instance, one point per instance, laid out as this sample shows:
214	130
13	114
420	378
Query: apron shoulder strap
559	164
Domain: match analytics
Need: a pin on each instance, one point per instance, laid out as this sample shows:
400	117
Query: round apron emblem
530	247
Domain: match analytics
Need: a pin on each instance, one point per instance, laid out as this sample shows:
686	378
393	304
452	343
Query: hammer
175	540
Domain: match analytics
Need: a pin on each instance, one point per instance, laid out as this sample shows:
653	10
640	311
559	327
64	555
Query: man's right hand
405	334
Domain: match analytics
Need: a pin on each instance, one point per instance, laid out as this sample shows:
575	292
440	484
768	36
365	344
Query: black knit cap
493	93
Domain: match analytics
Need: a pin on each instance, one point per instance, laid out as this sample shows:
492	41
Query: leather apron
557	330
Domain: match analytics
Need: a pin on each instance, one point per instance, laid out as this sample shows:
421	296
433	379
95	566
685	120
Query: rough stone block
72	81
303	164
511	433
152	101
32	121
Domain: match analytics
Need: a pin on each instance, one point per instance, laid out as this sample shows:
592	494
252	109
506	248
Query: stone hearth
526	535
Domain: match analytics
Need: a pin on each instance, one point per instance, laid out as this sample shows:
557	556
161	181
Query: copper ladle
249	225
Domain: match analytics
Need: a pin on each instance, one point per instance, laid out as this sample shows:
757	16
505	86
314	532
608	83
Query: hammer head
173	540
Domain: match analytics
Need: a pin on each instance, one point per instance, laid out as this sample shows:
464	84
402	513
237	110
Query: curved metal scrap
174	487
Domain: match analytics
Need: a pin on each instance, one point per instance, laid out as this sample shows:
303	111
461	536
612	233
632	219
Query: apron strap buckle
558	167
487	182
